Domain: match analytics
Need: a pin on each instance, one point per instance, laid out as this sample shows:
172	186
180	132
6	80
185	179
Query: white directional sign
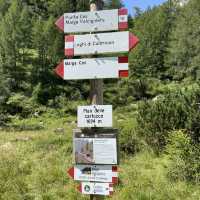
95	116
95	173
93	68
102	43
105	20
96	188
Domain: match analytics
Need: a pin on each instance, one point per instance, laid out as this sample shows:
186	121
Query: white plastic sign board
94	173
95	116
101	43
105	20
101	149
105	189
93	68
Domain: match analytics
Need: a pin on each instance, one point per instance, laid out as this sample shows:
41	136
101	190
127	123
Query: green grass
143	177
33	166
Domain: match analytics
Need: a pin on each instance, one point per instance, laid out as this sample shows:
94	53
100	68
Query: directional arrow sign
95	116
105	20
102	43
95	173
105	189
93	68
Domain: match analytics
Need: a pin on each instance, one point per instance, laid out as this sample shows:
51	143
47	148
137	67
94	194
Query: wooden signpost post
95	148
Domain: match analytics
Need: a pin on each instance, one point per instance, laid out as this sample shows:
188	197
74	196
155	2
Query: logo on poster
87	188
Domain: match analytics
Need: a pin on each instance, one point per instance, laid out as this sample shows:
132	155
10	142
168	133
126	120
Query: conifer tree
111	4
153	28
15	40
184	51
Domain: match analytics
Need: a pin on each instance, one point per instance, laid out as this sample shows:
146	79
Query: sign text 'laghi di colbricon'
105	20
101	43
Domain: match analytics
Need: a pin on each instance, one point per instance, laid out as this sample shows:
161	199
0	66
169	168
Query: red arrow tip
79	188
115	180
71	172
133	41
60	70
123	73
60	23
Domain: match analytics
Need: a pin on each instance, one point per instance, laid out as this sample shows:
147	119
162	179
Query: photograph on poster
84	151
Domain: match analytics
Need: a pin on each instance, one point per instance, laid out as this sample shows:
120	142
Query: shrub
129	140
20	104
142	88
175	110
4	119
184	157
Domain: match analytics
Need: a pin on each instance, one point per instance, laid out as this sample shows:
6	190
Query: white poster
95	116
95	150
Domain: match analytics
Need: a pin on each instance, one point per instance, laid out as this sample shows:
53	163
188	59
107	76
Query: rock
36	114
23	139
68	121
59	130
6	146
73	122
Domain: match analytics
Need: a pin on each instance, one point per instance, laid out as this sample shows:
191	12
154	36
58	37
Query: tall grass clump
13	174
129	140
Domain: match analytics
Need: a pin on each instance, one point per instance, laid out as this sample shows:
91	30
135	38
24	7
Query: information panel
98	149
